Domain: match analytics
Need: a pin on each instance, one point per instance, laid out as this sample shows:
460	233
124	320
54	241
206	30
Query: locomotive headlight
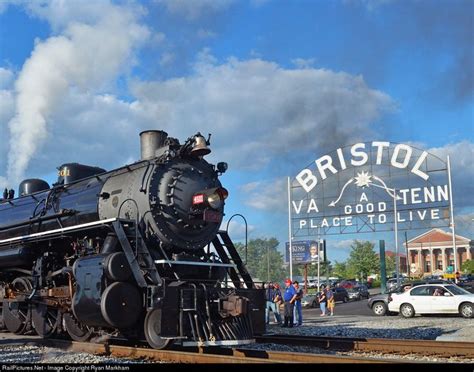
216	199
213	198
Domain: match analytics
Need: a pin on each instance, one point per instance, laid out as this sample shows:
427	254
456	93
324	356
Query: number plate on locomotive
212	216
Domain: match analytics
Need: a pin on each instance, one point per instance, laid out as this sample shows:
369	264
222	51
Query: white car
433	299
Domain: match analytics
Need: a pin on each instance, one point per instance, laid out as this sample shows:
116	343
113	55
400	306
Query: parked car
467	285
392	283
309	301
340	295
357	293
379	303
348	284
422	299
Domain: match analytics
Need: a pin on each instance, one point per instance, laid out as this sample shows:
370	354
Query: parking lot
348	308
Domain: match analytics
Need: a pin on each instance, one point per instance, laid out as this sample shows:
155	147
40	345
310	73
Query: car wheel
379	308
345	299
407	311
314	304
466	310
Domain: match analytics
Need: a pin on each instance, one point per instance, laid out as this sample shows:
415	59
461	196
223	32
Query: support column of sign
452	215
289	229
383	272
397	256
443	250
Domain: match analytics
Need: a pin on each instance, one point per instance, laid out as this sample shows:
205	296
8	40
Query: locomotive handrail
52	232
171	262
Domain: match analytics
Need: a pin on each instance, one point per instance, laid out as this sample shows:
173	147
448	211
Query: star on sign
363	179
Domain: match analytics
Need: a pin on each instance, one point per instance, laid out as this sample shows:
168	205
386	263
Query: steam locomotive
135	252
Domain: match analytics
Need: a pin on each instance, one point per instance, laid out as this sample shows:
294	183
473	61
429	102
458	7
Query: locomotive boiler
134	252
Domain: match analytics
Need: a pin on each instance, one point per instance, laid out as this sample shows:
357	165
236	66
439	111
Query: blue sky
278	84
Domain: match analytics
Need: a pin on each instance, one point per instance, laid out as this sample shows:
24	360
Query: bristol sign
354	189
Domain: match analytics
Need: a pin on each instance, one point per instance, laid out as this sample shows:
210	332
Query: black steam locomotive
135	252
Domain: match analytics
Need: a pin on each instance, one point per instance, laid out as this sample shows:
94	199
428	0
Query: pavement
465	334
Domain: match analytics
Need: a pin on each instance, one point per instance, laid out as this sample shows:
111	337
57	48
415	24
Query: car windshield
455	290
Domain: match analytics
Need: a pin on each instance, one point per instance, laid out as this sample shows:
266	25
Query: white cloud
462	172
237	229
6	78
464	224
264	111
89	53
267	195
192	10
303	63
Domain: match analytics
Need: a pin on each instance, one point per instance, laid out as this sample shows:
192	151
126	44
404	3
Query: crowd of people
290	298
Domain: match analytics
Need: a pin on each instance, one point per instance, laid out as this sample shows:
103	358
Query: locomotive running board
59	231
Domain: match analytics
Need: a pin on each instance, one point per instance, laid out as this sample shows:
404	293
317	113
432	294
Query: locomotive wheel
121	304
153	330
17	315
45	320
78	332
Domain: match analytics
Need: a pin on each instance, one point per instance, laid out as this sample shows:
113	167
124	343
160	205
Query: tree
362	260
340	269
313	269
468	267
390	265
264	262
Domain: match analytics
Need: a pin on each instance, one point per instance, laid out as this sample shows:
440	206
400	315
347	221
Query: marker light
198	199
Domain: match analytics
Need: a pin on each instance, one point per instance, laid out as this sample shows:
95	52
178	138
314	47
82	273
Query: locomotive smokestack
150	141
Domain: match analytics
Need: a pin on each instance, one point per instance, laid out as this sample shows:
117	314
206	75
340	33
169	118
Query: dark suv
340	294
379	303
358	293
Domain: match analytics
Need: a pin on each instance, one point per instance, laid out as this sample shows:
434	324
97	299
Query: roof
434	237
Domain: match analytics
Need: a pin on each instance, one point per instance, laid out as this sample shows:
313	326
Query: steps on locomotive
126	230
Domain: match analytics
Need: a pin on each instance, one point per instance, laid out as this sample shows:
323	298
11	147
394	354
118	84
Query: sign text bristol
353	189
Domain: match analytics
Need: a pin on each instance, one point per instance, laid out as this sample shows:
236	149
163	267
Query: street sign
413	268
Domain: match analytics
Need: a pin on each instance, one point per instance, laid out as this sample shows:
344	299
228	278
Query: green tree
264	261
340	269
468	267
390	265
362	260
313	269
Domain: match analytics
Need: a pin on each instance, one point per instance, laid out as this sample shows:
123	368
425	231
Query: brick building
402	260
432	252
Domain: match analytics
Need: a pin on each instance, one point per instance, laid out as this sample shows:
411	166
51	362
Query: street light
246	231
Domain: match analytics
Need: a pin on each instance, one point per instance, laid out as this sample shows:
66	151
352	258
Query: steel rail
210	355
384	345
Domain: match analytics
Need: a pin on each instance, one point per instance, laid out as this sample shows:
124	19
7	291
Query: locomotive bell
200	146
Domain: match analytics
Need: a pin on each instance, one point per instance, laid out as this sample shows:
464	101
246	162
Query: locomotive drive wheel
78	332
45	320
16	315
153	330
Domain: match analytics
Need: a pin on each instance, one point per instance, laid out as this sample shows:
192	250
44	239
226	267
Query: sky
278	84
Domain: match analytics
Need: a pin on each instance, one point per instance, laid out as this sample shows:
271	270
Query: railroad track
383	345
208	355
332	345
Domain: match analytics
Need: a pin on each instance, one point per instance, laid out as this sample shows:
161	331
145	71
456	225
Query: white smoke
87	55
